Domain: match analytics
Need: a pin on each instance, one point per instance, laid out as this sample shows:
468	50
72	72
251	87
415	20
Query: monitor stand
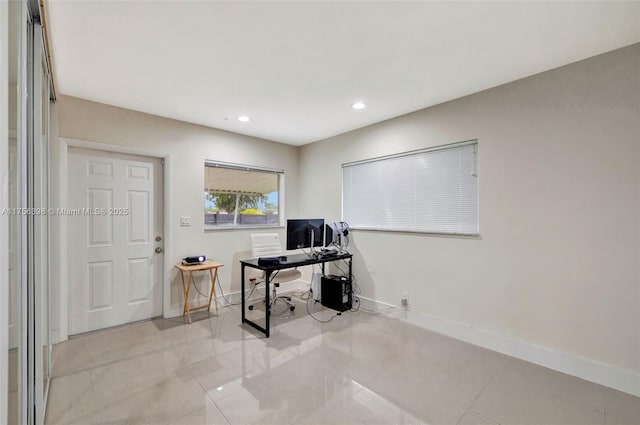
312	252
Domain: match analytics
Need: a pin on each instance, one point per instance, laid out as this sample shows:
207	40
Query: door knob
158	250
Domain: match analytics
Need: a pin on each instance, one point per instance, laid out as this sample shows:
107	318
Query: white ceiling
296	67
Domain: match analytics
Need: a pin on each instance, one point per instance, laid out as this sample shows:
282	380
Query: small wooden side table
210	265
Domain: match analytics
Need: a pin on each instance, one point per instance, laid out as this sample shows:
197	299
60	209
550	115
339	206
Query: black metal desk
297	260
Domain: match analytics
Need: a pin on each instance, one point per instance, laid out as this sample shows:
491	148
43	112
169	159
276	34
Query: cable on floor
316	319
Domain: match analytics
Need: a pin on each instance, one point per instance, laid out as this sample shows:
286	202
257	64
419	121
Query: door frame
63	289
4	203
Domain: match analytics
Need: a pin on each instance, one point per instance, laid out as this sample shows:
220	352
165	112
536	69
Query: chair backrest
268	245
265	245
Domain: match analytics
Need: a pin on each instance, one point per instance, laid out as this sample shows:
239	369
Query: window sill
208	229
417	232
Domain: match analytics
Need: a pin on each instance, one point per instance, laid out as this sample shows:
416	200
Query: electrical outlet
405	299
185	220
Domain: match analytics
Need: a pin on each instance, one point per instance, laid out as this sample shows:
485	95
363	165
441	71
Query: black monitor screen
299	233
329	235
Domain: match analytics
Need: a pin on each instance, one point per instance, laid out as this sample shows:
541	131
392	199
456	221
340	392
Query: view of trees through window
237	197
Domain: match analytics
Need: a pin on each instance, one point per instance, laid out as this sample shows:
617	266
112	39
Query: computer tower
336	292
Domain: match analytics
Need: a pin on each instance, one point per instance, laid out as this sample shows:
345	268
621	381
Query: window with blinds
432	190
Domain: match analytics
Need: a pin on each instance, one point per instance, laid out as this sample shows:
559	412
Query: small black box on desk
336	293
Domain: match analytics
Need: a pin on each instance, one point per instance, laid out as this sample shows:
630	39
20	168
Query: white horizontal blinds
426	191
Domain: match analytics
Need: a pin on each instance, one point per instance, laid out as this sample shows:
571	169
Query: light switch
185	220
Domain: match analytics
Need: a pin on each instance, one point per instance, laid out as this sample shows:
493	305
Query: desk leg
242	290
267	307
264	330
212	293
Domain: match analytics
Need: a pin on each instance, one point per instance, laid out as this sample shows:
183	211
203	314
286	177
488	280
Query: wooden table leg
186	296
212	293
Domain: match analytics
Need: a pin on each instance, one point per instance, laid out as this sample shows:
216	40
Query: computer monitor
336	234
299	233
330	237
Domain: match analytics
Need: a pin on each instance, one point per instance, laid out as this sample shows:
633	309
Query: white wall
556	264
188	146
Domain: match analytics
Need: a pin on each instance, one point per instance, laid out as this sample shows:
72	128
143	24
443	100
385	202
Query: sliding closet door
37	237
21	407
16	360
40	220
28	276
27	255
27	238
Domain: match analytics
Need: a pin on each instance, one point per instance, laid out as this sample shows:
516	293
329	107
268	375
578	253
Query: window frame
257	169
475	173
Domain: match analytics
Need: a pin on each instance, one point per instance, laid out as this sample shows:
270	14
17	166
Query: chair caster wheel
250	307
293	307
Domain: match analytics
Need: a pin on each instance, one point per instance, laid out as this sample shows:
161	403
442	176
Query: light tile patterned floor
360	368
12	414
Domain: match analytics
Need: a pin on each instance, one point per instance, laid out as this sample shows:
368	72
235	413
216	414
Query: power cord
195	285
340	268
355	291
314	318
355	300
253	289
305	295
224	297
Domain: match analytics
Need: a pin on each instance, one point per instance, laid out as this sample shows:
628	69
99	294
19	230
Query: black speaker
268	261
336	292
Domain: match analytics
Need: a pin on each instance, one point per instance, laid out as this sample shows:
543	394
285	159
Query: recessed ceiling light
244	118
358	105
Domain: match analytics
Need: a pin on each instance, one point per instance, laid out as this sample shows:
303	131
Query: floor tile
358	368
209	415
442	365
119	377
621	408
13	370
473	418
157	402
525	393
372	408
125	342
416	400
328	414
12	414
70	356
71	398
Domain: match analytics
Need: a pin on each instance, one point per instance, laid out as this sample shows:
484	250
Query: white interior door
114	222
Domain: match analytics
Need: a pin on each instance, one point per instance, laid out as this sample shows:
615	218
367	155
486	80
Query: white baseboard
590	370
54	336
